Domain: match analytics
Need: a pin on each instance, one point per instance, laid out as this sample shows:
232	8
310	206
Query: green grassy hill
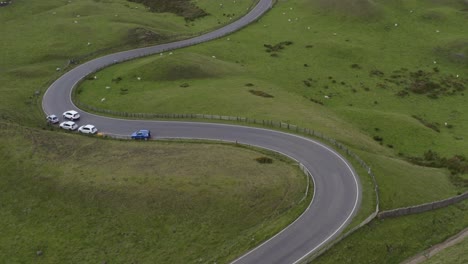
386	78
381	86
69	198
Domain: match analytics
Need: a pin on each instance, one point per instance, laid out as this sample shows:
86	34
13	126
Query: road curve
337	189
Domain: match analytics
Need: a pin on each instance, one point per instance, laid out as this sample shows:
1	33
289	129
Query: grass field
387	78
343	75
37	39
456	254
82	199
355	70
394	240
68	198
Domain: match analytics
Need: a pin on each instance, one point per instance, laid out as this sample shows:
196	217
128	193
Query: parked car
142	134
87	129
69	125
71	115
52	119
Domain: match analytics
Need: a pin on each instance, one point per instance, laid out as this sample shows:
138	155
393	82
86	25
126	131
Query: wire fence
298	130
265	123
251	121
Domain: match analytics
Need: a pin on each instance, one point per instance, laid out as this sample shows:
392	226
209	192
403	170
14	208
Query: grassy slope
91	200
30	75
353	117
85	199
394	240
456	254
37	39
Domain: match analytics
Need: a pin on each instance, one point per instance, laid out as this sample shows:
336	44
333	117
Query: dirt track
428	253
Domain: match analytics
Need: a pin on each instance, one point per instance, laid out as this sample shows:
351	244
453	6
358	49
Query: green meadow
70	198
453	255
358	77
394	240
386	78
83	199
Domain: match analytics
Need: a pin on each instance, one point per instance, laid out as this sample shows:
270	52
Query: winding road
337	193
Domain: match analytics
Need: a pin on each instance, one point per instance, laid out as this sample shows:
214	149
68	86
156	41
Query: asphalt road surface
337	191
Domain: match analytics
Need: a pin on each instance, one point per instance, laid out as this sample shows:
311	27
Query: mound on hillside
186	67
434	15
184	8
353	8
143	36
453	3
455	51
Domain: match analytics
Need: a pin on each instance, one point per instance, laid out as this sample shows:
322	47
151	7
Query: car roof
89	126
52	116
72	112
69	122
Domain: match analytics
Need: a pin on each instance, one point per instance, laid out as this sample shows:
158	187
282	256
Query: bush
378	138
264	160
376	73
260	93
184	8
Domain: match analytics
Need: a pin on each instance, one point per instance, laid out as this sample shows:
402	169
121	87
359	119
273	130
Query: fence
266	123
260	122
308	176
423	207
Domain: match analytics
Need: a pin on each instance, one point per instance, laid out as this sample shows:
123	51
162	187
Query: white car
88	129
52	119
69	125
71	115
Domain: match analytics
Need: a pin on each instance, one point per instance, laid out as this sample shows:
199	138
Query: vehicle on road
87	129
68	125
71	115
52	119
142	134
